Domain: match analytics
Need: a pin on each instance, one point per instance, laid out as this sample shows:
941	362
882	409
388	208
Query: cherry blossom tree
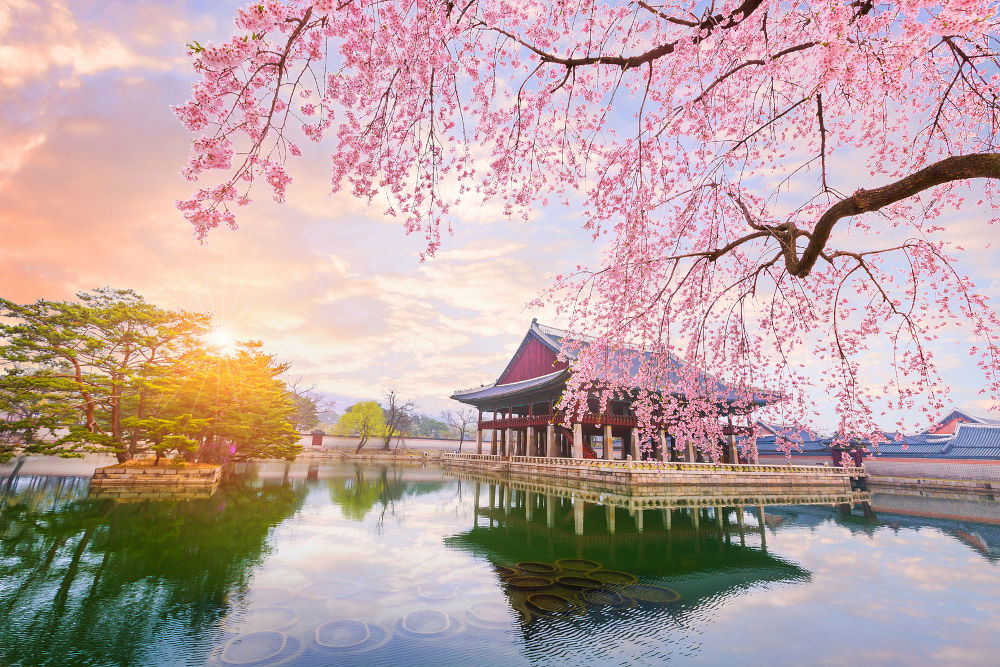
773	182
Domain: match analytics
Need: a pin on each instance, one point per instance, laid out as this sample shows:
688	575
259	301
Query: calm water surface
343	564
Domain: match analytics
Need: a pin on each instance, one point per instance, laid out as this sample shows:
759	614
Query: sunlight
221	341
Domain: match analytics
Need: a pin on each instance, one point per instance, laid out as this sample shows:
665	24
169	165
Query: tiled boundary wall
962	476
161	477
653	475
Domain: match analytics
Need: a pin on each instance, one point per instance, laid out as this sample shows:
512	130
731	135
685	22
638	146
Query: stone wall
165	477
651	477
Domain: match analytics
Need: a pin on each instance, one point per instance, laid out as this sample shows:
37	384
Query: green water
343	564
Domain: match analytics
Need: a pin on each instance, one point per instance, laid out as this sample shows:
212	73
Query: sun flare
221	341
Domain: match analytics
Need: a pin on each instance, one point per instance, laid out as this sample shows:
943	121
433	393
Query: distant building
959	438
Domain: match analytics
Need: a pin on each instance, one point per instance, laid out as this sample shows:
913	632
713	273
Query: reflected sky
342	564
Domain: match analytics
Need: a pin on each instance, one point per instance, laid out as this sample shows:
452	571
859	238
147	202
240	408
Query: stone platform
644	477
163	478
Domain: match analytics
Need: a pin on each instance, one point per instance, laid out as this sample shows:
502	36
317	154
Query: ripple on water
266	647
551	603
392	583
264	618
351	636
529	582
332	589
535	567
489	612
578	564
429	624
605	597
272	595
436	590
613	577
577	581
651	593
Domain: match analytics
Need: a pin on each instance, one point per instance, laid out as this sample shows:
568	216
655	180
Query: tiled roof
617	362
975	441
770	444
495	391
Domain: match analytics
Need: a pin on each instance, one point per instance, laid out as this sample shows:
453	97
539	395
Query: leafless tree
398	414
462	421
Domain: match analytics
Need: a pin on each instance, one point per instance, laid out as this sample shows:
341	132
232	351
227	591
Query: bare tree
462	421
398	414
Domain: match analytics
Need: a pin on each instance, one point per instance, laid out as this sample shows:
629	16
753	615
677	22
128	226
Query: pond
335	563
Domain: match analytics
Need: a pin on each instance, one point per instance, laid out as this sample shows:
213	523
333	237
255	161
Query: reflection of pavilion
702	550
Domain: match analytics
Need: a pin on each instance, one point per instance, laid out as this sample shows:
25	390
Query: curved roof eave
500	390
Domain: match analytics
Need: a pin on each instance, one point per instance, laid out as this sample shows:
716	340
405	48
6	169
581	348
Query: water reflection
580	569
359	491
304	564
79	572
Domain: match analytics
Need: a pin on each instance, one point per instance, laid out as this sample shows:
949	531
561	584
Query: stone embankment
374	456
651	476
166	478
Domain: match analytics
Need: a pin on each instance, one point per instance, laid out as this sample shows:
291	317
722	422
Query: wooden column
577	452
689	451
479	440
664	446
508	442
635	445
550	441
493	441
609	443
531	447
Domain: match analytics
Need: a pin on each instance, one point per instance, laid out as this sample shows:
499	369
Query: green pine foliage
113	373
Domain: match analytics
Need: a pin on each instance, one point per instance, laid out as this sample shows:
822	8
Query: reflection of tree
359	493
95	576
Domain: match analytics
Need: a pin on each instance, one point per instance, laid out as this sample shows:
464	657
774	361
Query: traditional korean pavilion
520	409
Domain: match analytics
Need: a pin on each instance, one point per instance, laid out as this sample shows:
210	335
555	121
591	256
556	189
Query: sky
88	179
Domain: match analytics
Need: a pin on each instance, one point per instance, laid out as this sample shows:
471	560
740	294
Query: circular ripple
426	622
605	597
341	634
529	582
578	564
550	603
481	588
535	567
613	577
436	591
650	593
260	648
265	618
574	581
489	612
391	584
329	590
272	595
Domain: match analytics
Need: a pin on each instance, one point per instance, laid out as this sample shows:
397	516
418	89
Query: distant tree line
396	418
113	373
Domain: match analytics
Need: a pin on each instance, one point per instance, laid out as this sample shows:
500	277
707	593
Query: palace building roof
544	359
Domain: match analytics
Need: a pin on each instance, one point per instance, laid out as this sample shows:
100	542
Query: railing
658	466
544	420
516	422
472	457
